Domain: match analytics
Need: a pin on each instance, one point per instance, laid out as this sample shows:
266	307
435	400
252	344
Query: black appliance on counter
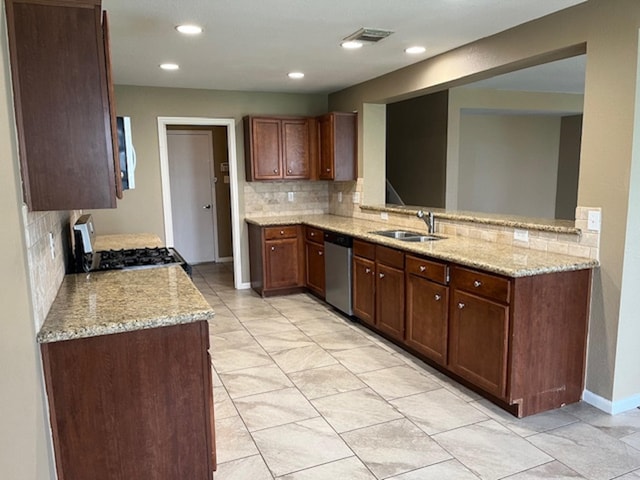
89	260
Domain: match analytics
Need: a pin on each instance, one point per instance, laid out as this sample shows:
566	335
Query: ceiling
251	45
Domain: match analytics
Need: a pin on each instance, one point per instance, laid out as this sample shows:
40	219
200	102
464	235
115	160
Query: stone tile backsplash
272	198
46	272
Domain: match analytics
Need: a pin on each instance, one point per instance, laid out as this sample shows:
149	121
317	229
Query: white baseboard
224	260
612	408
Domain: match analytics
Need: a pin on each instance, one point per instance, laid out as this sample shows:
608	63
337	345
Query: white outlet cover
290	196
521	235
384	215
356	197
340	197
593	220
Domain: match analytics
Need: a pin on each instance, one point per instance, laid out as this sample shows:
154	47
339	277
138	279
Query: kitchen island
128	376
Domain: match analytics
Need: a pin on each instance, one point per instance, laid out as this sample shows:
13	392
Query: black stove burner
134	258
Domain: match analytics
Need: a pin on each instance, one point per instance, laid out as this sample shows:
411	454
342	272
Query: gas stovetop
132	258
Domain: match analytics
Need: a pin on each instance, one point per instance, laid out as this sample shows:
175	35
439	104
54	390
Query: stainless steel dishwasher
338	250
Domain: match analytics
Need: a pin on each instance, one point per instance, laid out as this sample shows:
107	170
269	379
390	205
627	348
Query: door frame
163	122
212	184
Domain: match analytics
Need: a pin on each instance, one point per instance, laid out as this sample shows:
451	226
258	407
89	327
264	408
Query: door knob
381	275
207	207
437	297
460	305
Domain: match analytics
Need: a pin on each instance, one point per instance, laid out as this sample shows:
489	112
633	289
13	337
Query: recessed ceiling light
351	44
169	66
189	29
295	75
415	50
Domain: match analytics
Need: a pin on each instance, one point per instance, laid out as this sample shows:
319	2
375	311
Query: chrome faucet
428	219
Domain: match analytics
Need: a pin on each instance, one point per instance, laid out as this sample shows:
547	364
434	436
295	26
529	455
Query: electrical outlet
290	196
521	235
356	197
339	197
52	245
384	216
593	220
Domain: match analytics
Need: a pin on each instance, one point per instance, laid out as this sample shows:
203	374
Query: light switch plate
593	220
521	235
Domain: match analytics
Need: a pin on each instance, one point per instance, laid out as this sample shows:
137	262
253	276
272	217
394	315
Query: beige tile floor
301	393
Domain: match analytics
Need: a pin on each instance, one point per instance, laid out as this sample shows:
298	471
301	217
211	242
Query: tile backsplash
272	198
46	271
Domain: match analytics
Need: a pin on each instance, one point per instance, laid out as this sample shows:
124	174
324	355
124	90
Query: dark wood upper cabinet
61	95
338	143
277	148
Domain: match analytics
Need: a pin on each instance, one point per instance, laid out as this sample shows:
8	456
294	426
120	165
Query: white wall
508	164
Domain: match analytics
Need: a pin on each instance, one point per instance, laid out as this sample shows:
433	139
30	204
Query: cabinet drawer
434	271
390	256
314	235
288	231
482	284
364	249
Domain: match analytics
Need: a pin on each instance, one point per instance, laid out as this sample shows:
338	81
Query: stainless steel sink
406	236
397	234
421	238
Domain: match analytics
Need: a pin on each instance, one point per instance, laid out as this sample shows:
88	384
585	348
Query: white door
192	185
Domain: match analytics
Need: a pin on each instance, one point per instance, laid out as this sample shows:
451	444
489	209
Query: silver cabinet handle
460	305
367	270
273	249
328	169
437	297
281	232
207	207
477	283
422	268
320	252
381	275
275	170
313	234
288	170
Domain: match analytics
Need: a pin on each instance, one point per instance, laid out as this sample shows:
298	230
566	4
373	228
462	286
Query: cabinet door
62	104
282	263
478	341
327	152
295	147
315	268
390	300
364	289
266	149
427	317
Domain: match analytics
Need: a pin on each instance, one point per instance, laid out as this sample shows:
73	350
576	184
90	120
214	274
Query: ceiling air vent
370	35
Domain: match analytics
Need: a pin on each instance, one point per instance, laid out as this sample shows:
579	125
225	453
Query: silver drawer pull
320	252
313	234
367	270
281	232
422	268
477	283
437	297
381	275
460	305
289	170
275	170
273	249
328	169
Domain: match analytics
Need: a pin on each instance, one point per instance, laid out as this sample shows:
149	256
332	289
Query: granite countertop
503	259
127	240
103	303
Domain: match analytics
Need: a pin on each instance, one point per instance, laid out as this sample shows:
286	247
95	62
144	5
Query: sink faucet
428	219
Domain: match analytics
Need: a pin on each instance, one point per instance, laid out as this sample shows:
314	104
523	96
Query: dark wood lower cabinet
132	405
427	317
364	287
390	301
478	342
315	268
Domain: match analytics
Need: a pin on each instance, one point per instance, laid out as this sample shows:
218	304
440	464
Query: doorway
187	123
